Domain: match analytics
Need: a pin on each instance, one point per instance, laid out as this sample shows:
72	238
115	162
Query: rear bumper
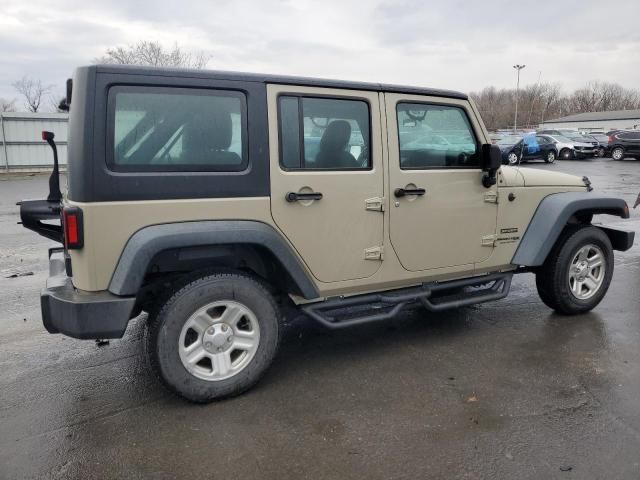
80	314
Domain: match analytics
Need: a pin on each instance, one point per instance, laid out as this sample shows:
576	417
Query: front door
441	214
327	178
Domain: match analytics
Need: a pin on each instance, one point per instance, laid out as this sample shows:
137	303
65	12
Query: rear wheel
214	337
617	153
512	158
551	157
577	273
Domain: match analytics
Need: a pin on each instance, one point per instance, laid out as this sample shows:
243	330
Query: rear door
631	142
441	215
327	177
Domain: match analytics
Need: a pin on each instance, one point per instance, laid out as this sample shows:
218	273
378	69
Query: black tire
166	323
550	157
617	153
566	154
552	278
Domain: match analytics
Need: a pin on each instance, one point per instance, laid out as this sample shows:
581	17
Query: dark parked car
625	143
530	147
603	143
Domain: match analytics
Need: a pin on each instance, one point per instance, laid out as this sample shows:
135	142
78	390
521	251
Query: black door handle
403	192
294	197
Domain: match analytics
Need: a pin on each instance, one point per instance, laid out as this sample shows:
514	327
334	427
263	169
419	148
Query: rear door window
324	133
177	129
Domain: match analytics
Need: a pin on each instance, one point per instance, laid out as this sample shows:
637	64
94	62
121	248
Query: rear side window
435	136
177	129
323	133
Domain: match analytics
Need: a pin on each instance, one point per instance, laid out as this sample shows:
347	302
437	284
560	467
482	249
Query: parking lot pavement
502	390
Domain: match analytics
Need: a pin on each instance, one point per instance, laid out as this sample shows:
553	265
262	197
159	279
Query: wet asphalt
502	390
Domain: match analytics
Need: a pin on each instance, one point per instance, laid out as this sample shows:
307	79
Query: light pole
515	119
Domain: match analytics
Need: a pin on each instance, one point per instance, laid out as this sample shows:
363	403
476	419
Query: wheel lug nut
207	344
211	331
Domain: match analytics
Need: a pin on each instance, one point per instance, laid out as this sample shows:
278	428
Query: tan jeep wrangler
212	200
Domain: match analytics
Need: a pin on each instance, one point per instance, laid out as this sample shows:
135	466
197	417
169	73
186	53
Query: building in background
21	144
597	121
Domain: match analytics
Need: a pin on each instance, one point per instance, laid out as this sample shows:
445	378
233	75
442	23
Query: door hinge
489	240
376	204
374	253
491	197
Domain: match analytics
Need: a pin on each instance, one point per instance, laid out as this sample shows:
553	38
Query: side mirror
491	162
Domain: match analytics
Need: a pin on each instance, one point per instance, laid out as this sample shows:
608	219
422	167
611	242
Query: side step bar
343	312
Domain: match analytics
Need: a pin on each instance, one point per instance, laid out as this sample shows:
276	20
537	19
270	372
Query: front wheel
512	158
577	273
551	157
214	337
566	154
617	153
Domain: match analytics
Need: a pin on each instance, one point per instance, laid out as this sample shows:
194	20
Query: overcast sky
462	45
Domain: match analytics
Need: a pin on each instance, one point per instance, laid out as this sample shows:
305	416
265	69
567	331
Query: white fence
21	144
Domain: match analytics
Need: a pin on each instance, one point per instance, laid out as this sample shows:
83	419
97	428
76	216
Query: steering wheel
463	158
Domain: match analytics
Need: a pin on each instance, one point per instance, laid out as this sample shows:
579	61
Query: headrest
336	136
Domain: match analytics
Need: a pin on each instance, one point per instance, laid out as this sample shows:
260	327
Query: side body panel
514	217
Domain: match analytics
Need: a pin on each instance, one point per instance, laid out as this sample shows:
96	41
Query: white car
569	149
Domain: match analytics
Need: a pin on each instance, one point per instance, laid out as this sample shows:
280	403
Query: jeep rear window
324	133
177	129
435	136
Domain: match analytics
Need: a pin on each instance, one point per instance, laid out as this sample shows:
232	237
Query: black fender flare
147	242
551	217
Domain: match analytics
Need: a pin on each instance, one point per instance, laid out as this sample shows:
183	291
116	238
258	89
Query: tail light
611	139
73	228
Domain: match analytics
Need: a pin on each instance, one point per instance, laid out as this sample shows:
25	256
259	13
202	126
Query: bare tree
603	96
544	101
33	92
56	100
151	53
7	105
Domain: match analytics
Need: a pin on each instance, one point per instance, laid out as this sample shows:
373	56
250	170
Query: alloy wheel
587	272
219	340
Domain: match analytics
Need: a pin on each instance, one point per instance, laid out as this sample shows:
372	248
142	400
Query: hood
533	177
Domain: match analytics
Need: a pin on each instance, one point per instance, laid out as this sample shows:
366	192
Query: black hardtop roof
279	79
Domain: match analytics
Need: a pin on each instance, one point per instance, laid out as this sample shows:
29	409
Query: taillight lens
73	228
611	139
